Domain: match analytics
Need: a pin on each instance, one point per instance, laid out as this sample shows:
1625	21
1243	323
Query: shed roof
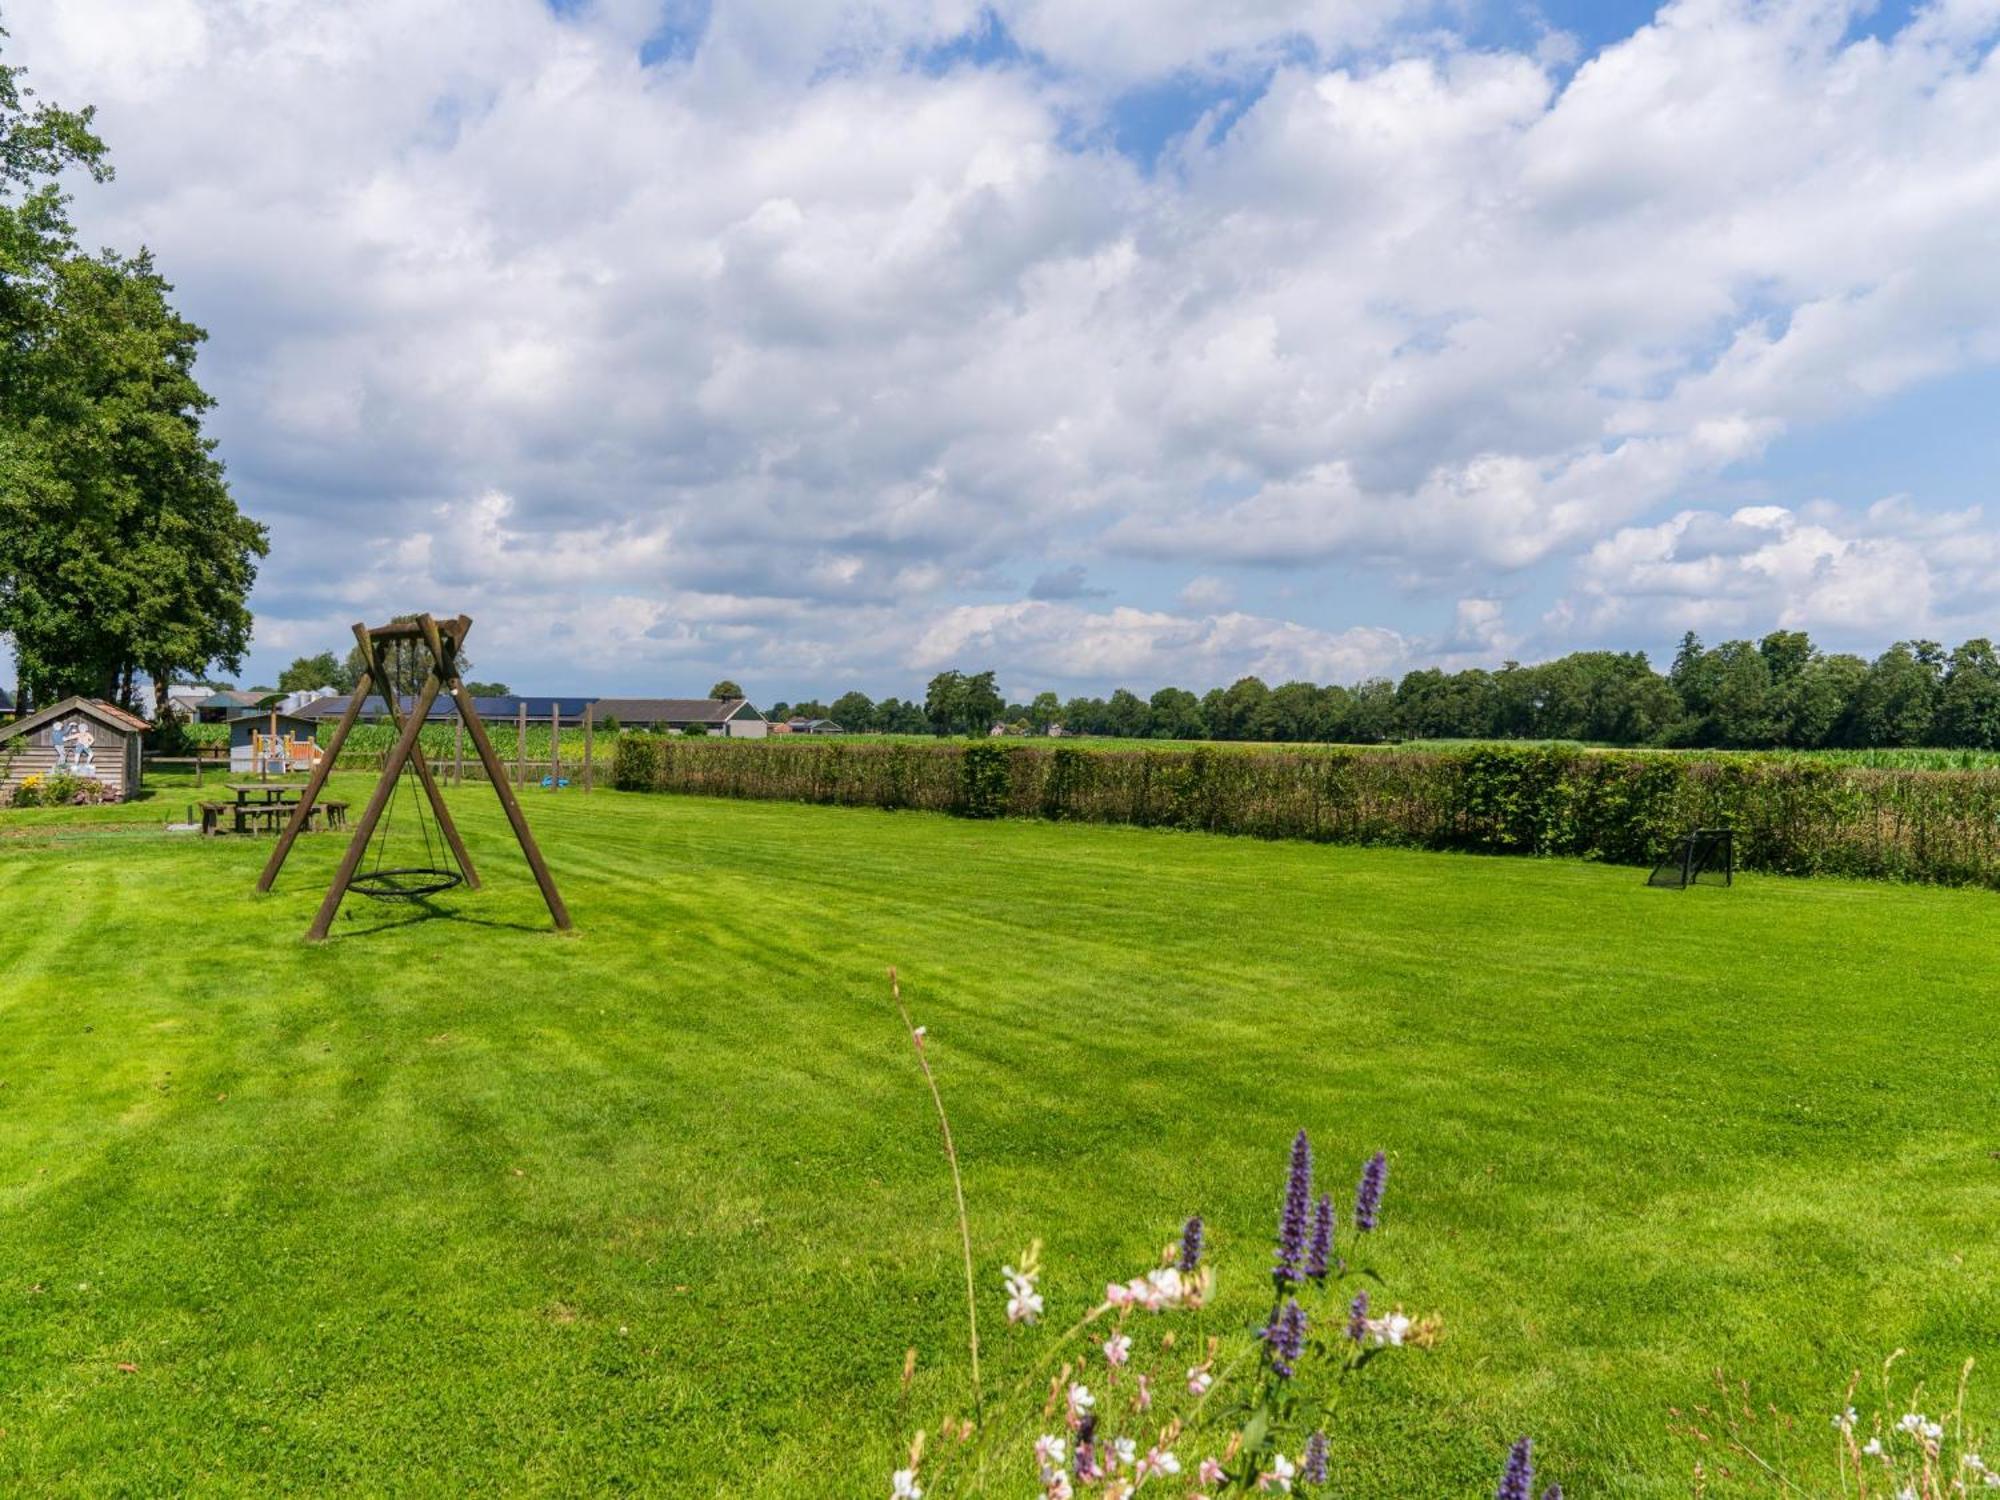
673	710
105	713
232	698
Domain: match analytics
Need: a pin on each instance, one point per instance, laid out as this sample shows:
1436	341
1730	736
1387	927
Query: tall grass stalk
958	1191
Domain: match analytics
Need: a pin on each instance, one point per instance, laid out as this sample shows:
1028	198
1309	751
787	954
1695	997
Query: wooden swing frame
442	639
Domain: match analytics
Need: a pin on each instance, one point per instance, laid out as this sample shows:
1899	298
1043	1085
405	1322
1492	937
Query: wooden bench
266	818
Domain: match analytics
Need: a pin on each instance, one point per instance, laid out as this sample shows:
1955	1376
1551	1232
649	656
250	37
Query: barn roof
672	710
105	713
488	708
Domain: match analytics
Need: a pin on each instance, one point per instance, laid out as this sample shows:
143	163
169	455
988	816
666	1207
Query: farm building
6	702
84	737
813	726
727	716
219	708
327	710
272	742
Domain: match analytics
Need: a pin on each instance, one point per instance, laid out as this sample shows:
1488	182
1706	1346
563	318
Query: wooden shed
84	737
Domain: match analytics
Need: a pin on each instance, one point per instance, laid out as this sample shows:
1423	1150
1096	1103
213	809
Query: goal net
1706	856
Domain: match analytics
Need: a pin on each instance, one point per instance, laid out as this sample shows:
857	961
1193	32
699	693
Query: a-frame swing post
447	656
357	846
442	813
316	782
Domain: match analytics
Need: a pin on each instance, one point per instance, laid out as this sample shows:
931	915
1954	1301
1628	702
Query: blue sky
828	345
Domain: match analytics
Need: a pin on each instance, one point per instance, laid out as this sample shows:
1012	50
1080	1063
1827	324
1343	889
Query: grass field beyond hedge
453	1205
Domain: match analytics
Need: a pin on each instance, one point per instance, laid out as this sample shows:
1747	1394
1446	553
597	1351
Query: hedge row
1791	816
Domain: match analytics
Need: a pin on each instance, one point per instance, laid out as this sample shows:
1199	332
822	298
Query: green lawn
453	1205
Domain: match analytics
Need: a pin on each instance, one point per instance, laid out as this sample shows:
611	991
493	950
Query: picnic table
266	806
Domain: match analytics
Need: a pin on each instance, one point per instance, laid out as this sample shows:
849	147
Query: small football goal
1707	856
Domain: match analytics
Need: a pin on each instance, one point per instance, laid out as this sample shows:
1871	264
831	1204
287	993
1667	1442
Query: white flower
1080	1402
1024	1303
1872	1447
904	1486
1279	1476
1910	1421
1117	1349
1932	1431
1050	1451
1907	1492
1199	1380
1973	1462
1845	1420
1123	1451
1389	1330
1158	1461
1058	1487
921	1032
1118	1296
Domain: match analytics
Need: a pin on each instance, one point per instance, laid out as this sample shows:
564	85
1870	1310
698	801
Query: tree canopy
122	552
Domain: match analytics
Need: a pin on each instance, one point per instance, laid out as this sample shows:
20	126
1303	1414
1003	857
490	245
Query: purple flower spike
1190	1245
1292	1220
1313	1469
1368	1197
1517	1482
1287	1338
1357	1317
1321	1250
1553	1492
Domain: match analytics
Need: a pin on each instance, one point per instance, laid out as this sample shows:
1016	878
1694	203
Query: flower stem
958	1190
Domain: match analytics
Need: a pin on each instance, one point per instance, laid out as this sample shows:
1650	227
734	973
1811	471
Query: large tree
323	671
121	549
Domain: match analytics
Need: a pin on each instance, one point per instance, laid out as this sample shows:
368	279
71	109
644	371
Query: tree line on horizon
1780	692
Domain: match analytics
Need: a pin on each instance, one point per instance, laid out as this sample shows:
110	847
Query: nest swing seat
438	873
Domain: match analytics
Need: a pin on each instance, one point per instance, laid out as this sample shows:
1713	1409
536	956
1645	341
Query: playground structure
442	867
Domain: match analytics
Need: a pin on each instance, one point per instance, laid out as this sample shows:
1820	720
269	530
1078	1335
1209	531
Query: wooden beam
315	783
357	847
509	803
468	715
431	790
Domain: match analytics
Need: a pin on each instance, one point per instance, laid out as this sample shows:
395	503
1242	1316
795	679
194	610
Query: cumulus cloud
784	337
1883	573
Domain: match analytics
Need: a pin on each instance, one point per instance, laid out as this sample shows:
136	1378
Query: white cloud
1882	574
788	352
1149	648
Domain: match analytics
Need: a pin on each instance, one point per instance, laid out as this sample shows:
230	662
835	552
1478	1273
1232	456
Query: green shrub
983	781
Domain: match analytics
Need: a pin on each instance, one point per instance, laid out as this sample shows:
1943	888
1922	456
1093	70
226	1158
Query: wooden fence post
589	715
521	745
555	747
